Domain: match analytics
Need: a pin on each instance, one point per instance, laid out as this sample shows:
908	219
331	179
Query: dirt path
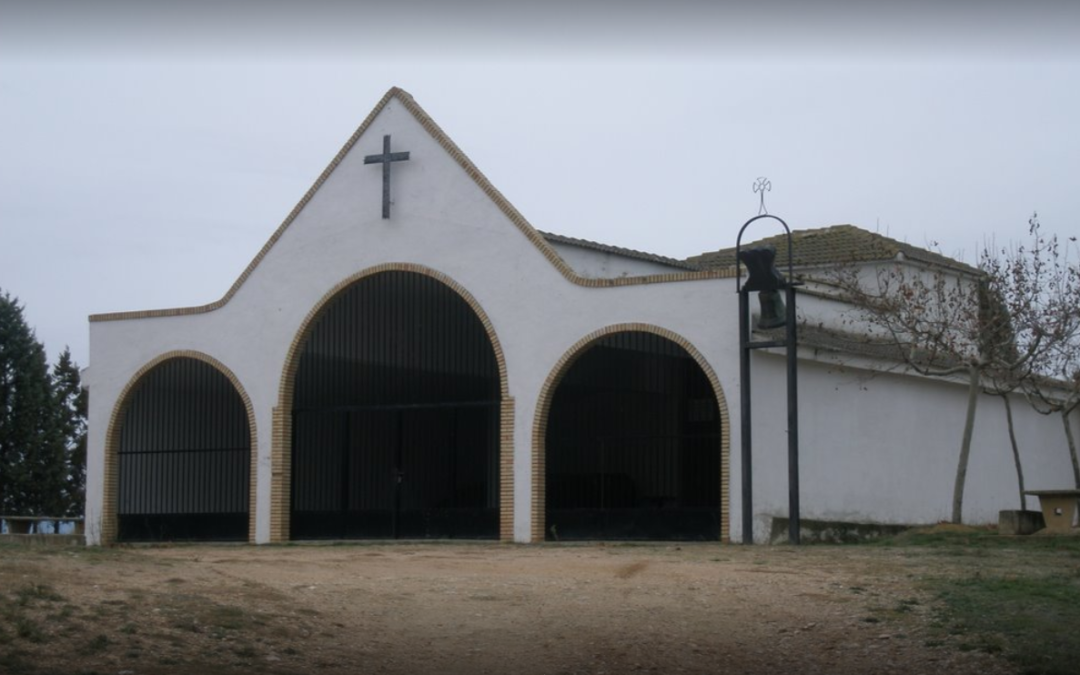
450	608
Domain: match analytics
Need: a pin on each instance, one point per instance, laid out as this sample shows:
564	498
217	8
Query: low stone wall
832	531
44	539
29	529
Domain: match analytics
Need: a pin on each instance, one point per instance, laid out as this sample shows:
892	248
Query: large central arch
393	415
631	441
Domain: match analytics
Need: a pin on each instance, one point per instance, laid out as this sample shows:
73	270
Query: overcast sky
147	154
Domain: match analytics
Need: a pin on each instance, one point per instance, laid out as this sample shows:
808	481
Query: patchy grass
28	629
1031	619
18	621
33	593
97	644
15	663
906	605
976	541
226	617
1014	596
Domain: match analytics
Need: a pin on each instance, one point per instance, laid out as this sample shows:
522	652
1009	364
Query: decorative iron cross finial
385	158
762	185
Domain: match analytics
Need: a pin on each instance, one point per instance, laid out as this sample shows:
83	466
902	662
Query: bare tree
996	327
1040	286
1056	390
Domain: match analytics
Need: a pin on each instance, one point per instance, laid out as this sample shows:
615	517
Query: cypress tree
31	444
71	407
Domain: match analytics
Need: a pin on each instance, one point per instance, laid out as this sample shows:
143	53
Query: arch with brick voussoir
110	514
547	396
282	435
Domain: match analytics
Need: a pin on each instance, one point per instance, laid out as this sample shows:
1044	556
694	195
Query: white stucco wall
441	220
884	447
594	264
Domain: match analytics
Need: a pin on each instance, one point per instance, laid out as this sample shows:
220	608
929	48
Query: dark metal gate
633	445
396	418
184	457
395	472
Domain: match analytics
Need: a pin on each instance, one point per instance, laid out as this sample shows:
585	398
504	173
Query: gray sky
146	154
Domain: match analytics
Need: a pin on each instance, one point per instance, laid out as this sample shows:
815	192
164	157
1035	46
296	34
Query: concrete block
1020	522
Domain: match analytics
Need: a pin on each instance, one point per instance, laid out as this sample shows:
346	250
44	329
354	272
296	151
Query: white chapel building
407	358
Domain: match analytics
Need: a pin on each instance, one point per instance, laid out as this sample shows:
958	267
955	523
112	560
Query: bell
773	312
762	274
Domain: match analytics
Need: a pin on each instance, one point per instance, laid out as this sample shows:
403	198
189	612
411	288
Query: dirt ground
474	608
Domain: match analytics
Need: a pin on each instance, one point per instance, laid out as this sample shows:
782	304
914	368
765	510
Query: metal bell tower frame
771	282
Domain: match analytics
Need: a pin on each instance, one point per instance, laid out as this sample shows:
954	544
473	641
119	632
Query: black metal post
792	420
346	443
603	482
744	409
398	473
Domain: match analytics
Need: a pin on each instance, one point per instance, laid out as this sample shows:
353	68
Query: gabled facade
449	371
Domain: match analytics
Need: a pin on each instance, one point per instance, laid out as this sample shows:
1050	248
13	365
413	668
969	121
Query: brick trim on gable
109	515
543	408
281	439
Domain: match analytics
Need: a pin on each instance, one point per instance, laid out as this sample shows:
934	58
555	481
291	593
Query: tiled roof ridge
873	246
617	250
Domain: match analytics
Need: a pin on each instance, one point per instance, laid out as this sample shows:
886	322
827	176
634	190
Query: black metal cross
385	158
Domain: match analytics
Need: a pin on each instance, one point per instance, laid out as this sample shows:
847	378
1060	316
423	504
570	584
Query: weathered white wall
594	264
885	448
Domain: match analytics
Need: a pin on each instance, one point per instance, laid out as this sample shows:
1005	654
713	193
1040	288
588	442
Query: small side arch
547	396
110	513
